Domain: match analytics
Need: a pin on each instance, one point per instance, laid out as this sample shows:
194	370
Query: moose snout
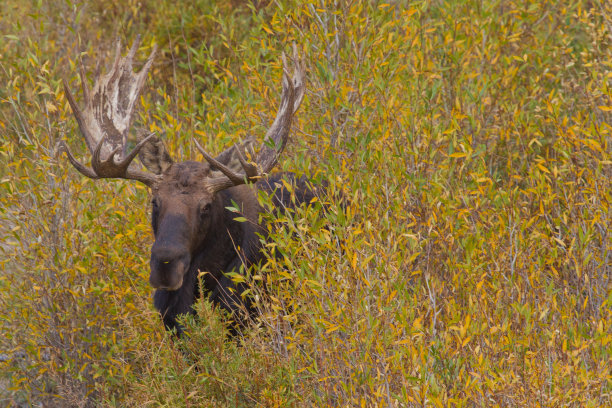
168	266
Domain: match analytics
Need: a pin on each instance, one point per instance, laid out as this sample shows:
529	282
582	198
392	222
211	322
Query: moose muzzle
168	266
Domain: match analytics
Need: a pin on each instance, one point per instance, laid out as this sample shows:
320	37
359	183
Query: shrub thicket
471	265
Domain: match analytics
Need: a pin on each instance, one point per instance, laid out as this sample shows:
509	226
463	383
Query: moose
195	232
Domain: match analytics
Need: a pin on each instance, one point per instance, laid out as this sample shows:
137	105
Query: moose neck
219	247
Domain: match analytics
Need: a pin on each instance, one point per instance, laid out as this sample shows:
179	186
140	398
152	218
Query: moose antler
276	136
105	121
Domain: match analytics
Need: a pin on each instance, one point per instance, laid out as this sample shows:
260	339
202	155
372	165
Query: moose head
194	232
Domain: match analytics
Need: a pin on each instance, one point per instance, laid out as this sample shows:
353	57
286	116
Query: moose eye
155	203
205	209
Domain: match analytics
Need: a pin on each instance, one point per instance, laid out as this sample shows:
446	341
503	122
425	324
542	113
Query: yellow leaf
332	329
410	12
479	285
50	107
459	154
544	169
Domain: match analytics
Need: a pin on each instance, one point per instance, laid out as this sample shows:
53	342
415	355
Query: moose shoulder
194	231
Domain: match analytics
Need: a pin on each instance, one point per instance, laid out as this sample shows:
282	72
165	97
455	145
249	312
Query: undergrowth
468	264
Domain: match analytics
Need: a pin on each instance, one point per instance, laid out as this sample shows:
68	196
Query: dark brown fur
192	239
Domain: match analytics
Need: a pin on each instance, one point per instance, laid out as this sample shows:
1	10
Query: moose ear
230	159
154	156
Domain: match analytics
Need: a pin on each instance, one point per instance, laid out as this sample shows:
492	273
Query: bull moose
193	228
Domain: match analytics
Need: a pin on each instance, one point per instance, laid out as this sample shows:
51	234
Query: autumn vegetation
470	265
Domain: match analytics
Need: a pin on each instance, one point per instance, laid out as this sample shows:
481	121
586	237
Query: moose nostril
167	255
164	262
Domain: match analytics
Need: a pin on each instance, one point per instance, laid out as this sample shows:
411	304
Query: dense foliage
471	266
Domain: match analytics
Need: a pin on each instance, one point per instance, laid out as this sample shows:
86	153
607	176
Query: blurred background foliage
471	266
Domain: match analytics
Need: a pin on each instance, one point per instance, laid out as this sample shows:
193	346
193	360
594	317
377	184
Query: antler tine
128	159
249	169
234	177
78	115
142	75
84	84
132	52
86	171
298	79
114	71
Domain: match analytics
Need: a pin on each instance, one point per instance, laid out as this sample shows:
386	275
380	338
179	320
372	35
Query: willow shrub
467	262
